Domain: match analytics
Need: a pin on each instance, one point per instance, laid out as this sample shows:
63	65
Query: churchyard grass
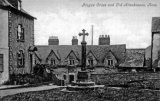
109	94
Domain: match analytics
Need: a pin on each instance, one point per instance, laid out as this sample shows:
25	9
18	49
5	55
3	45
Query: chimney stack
53	40
74	40
16	3
104	40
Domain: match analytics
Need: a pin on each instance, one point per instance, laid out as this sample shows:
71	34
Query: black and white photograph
79	50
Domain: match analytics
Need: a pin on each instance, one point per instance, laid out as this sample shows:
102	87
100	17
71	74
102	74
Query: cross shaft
83	34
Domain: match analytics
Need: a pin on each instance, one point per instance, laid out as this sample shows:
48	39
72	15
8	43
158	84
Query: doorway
71	78
31	63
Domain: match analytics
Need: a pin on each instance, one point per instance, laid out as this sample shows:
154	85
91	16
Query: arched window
20	33
20	59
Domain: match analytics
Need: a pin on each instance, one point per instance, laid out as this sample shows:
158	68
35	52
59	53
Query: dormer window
53	62
90	62
110	62
35	61
71	62
72	59
20	33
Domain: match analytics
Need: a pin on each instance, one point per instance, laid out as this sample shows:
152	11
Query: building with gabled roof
98	52
65	60
16	39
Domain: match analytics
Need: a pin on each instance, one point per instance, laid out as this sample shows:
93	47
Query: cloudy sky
126	24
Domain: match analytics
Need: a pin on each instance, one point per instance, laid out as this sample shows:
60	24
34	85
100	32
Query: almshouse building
65	60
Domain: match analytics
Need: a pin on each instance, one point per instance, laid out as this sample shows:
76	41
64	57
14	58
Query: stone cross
83	34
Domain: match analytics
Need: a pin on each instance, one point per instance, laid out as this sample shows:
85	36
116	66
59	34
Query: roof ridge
6	3
136	49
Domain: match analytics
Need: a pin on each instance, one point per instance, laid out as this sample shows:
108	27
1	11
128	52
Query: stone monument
83	82
83	74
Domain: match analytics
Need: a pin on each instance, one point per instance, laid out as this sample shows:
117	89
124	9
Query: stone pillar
83	74
83	68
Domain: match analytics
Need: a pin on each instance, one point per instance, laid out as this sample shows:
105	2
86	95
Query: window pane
22	34
111	62
20	58
1	62
108	62
1	68
64	76
70	62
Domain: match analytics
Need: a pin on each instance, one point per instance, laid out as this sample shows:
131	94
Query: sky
126	21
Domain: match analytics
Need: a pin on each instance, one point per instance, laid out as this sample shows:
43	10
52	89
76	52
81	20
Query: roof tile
134	58
98	50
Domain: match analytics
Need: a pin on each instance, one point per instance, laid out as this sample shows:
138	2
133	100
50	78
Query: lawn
109	94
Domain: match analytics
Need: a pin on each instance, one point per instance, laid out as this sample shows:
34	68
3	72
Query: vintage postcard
79	50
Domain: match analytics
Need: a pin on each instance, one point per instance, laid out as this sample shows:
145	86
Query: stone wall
148	56
156	49
16	18
121	78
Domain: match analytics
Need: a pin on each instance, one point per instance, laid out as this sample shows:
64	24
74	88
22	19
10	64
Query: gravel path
21	90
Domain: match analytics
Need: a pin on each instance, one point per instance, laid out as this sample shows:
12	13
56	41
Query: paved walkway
21	90
9	86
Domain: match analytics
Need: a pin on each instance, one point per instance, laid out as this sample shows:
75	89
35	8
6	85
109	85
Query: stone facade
148	56
155	49
16	18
